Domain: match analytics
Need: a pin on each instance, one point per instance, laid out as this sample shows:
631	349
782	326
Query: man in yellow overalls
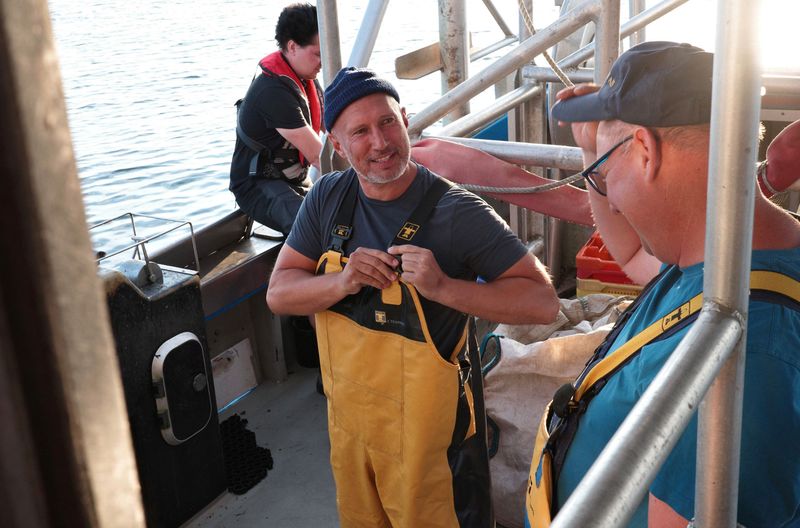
387	255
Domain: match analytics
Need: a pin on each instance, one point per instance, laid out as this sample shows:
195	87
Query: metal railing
139	245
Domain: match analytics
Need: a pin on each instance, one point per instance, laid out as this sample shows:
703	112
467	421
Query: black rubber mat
246	464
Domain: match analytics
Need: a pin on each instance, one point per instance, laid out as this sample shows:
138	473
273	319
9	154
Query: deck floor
289	419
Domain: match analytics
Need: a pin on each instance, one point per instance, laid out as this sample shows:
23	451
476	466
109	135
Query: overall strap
608	365
343	221
414	223
570	401
764	286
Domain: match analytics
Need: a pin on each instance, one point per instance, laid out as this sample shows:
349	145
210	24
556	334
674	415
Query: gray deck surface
289	419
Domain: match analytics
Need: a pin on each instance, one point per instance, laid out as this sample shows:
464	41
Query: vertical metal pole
606	42
729	225
328	22
634	8
367	33
523	116
454	45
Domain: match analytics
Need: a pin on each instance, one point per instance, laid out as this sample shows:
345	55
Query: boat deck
288	418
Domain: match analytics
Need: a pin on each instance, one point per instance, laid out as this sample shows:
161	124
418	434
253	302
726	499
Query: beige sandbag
534	361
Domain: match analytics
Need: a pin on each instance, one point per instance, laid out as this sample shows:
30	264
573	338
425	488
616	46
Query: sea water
150	88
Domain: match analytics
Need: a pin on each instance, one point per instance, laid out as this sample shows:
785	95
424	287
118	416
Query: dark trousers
273	203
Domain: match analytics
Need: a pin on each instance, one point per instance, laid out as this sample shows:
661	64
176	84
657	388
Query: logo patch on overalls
675	317
408	231
342	231
380	317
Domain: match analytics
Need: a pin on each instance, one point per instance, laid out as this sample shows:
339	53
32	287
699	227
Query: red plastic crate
593	261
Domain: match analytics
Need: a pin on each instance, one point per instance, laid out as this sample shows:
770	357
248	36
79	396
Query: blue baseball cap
658	84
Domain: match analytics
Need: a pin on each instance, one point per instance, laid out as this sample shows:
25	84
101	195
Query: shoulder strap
251	143
570	402
414	223
771	283
775	288
343	221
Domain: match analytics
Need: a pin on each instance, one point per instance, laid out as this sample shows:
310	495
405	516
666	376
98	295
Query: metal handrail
538	155
139	242
520	56
475	120
627	29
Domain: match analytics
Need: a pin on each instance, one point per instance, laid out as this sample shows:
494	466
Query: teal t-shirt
769	484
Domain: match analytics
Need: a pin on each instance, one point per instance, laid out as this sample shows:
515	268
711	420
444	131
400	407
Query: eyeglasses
592	175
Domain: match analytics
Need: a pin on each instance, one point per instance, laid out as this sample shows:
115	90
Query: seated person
651	121
279	120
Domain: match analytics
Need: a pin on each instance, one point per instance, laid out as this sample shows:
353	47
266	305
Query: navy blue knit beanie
350	85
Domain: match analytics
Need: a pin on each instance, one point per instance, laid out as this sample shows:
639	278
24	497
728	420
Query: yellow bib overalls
404	448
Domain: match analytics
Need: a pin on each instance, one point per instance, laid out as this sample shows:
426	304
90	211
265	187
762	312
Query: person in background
278	124
387	255
648	191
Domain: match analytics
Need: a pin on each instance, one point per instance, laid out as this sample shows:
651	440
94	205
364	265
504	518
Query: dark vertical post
66	456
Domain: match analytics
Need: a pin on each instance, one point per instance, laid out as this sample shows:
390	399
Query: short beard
380	181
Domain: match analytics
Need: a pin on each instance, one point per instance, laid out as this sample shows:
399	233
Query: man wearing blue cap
650	121
386	255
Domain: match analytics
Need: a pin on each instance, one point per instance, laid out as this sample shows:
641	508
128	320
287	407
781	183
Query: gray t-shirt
468	239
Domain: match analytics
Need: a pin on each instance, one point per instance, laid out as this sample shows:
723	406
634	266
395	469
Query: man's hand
585	134
420	269
368	267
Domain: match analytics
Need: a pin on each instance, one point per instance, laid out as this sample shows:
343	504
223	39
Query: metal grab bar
141	241
538	155
328	22
475	120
